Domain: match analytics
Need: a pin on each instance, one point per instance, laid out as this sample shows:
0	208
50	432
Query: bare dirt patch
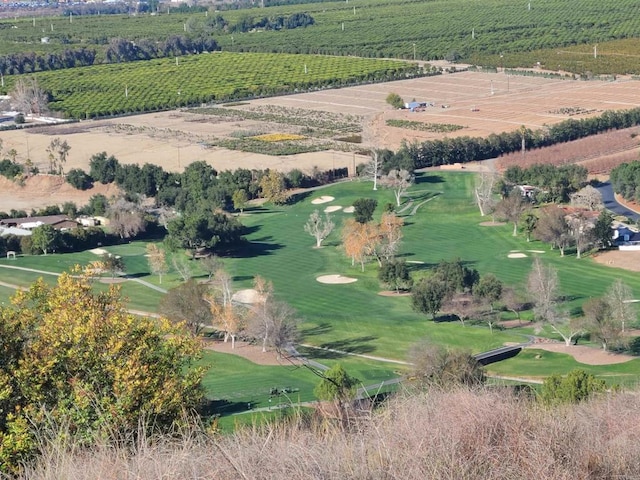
628	260
248	296
584	354
42	190
393	293
335	279
251	352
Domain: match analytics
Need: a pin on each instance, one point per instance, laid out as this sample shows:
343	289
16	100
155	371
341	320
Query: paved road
606	190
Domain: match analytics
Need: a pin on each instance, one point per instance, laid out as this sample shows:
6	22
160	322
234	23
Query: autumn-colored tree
390	236
274	188
74	357
226	317
157	260
359	241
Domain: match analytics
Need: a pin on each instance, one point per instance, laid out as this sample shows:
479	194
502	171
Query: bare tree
399	181
226	316
599	322
373	169
125	218
439	366
28	97
319	227
543	289
581	231
483	191
511	208
587	197
157	260
210	264
273	323
463	305
186	304
182	266
390	236
552	228
513	301
619	298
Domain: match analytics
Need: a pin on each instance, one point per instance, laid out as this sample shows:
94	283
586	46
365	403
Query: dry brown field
482	103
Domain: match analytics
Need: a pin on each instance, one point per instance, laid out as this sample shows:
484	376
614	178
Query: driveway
606	190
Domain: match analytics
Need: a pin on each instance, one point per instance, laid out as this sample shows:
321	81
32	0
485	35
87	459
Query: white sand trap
418	262
514	251
323	199
333	208
246	296
98	251
517	255
536	251
349	209
335	279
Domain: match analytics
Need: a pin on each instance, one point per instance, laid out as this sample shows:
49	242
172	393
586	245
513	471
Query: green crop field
372	28
100	90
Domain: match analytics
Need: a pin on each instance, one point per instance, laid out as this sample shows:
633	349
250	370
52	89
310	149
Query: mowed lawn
354	318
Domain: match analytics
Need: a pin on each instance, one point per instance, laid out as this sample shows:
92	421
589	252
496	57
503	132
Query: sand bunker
333	208
323	199
536	251
98	251
246	296
335	279
517	255
492	224
417	262
349	209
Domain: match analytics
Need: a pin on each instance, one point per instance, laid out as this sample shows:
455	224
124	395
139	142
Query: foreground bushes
462	434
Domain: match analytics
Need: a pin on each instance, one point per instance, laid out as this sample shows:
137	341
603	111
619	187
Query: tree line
625	180
465	149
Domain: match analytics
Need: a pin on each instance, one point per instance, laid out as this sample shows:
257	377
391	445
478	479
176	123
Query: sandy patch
349	209
253	353
246	296
417	262
584	354
517	255
335	279
492	224
98	251
333	208
323	199
393	293
536	251
629	260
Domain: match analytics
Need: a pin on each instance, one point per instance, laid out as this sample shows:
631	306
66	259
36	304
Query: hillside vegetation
462	434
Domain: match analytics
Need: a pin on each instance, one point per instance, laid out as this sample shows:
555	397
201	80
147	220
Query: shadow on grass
350	345
429	179
223	407
324	327
257	248
298	197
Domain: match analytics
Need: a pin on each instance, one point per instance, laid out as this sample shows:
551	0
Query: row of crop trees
447	151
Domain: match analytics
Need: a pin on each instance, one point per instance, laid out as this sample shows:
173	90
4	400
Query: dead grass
463	434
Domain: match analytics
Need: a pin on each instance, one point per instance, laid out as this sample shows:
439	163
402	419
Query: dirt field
175	139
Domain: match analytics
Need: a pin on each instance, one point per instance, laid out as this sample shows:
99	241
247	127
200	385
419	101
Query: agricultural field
102	90
407	29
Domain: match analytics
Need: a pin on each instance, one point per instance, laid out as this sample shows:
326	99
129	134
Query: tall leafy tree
74	357
45	237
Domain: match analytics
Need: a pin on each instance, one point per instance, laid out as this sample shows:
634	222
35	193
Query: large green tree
45	238
204	229
74	357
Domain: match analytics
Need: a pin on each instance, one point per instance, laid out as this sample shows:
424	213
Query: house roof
20	232
56	221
